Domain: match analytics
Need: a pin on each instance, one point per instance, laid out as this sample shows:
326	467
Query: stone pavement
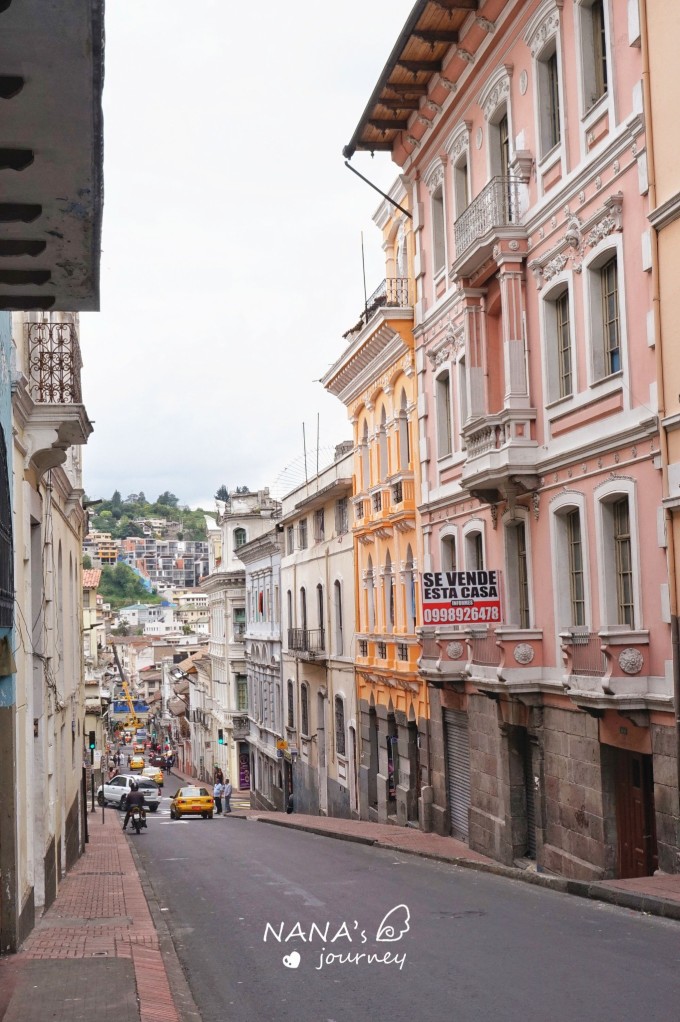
98	952
102	950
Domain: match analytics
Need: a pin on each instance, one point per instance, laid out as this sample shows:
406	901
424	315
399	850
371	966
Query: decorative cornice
572	246
543	26
666	213
496	89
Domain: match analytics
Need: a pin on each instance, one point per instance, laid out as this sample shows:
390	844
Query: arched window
337	597
320	611
304	709
239	538
340	726
303	609
291	705
448	560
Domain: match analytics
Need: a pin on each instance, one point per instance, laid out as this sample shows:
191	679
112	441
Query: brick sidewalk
96	952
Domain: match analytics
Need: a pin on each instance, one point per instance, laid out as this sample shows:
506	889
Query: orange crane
133	720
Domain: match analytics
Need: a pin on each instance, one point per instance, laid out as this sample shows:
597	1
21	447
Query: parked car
192	801
155	773
116	791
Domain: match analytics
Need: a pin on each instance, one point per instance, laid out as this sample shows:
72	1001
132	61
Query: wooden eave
430	30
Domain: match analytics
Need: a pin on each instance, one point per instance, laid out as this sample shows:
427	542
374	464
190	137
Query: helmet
133	786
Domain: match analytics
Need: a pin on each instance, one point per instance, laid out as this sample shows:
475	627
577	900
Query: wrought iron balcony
54	363
392	293
49	398
308	643
488	217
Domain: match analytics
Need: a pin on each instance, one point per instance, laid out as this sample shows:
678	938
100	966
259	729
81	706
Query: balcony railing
584	652
497	205
306	640
485	649
54	363
392	293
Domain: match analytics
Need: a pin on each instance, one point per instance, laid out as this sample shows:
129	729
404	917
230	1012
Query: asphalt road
474	947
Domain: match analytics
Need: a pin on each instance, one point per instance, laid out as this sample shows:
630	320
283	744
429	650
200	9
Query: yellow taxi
138	747
154	774
192	801
137	763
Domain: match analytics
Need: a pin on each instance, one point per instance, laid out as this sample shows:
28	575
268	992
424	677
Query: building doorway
635	823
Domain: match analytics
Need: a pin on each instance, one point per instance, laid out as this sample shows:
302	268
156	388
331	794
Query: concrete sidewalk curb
561	885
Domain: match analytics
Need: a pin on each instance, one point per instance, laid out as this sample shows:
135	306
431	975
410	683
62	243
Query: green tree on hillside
120	585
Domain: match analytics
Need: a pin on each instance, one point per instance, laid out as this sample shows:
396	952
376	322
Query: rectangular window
290	539
382	650
438	230
522	576
402	651
319	526
302	534
599	48
242	692
553	137
610	316
563	344
363	648
624	563
443	385
342	516
576	591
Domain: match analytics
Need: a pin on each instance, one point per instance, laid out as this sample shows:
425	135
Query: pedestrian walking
226	793
218	791
219	776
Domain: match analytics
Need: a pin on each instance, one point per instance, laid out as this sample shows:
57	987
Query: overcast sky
231	261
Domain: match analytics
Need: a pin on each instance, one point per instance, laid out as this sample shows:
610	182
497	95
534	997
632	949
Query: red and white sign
461	597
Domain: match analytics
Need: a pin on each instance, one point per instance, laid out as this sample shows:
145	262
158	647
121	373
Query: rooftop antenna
304	447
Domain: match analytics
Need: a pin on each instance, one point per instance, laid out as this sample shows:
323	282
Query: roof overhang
431	29
51	153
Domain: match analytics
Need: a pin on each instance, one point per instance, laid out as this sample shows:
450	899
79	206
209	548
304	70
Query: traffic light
220	736
93	740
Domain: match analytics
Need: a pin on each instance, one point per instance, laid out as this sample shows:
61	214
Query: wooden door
635	815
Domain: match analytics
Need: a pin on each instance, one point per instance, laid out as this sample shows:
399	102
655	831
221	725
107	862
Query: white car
116	791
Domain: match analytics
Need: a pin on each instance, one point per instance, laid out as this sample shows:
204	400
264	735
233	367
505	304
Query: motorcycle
137	818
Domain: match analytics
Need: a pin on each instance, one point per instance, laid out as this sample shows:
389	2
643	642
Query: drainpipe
658	348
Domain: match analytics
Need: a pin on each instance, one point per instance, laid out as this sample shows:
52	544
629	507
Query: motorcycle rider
135	798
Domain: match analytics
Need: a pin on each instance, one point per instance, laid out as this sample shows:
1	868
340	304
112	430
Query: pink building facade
522	139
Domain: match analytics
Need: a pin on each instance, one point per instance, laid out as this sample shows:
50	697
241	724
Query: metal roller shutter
458	771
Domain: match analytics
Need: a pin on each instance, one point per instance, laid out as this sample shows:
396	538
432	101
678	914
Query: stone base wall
489	782
665	767
578	811
338	800
305	789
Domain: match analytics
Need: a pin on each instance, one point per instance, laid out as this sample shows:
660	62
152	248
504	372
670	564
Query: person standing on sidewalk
218	791
227	795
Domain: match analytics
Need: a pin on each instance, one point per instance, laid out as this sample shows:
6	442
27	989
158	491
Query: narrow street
477	947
